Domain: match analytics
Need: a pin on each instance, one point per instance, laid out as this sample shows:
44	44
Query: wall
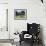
3	1
35	13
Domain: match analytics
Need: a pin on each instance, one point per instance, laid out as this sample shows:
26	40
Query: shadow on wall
41	34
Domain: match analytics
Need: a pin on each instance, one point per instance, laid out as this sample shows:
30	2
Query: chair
33	30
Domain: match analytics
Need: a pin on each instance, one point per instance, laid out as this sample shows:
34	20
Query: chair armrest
24	32
22	35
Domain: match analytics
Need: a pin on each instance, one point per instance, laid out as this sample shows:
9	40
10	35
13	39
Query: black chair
32	29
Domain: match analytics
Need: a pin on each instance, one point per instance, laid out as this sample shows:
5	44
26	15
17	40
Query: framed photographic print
20	14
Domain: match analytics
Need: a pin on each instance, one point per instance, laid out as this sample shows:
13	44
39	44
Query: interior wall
35	14
3	1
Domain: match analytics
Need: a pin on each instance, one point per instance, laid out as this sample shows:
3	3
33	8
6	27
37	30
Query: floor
27	44
5	44
22	44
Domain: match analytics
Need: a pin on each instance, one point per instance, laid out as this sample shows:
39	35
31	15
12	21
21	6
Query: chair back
33	28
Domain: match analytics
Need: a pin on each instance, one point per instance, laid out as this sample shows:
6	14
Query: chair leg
20	42
32	42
